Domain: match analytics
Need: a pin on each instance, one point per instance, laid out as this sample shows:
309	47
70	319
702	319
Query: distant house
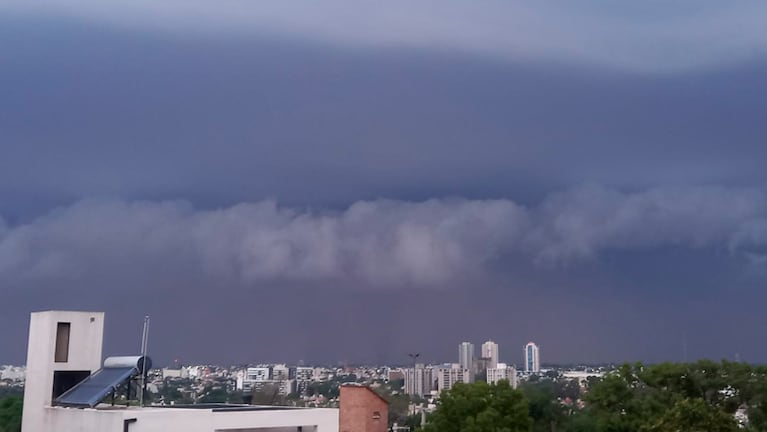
362	410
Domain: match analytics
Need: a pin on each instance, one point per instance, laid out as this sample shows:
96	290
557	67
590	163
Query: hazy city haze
339	181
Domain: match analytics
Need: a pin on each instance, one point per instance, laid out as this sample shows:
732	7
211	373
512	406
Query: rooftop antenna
144	345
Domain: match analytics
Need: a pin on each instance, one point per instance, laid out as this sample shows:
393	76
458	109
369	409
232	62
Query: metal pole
144	346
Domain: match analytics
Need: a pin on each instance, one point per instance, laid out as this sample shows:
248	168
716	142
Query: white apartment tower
466	355
532	358
450	374
502	372
490	352
419	380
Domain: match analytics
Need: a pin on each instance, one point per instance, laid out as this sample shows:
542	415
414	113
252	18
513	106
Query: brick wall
362	410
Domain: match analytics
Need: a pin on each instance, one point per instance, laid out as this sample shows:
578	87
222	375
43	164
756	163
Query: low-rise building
362	410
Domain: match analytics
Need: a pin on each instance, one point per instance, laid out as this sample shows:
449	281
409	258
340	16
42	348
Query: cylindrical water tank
138	362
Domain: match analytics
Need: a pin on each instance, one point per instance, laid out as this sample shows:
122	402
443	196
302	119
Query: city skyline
342	183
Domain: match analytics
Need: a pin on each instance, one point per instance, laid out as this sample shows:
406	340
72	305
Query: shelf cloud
379	242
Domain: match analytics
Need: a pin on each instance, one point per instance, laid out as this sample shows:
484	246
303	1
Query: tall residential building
304	378
490	352
304	373
281	372
532	357
449	375
261	373
502	372
419	380
466	355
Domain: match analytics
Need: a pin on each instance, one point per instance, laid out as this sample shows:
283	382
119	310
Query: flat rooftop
214	407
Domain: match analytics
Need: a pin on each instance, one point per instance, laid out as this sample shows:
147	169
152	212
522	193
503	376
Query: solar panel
92	390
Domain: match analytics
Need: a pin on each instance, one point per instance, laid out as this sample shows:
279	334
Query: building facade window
61	354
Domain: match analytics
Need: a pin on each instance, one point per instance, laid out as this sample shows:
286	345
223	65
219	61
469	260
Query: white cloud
375	242
647	36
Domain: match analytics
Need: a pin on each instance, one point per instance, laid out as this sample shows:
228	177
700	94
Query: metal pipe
127	423
144	346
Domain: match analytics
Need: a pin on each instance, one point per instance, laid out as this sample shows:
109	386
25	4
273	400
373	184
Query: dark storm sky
351	181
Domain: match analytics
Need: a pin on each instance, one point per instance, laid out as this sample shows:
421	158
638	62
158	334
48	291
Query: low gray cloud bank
377	242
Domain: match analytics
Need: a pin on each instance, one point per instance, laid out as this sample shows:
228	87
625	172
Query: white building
175	373
261	373
280	387
490	352
304	373
64	360
451	374
466	356
304	377
532	358
502	372
419	380
280	372
13	373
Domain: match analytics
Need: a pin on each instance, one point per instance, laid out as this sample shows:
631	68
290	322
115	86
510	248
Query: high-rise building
502	372
490	352
304	373
261	373
466	355
532	357
480	365
280	372
304	377
419	380
450	374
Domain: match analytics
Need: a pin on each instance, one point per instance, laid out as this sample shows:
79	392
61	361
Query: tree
546	412
398	407
10	414
693	415
679	397
481	407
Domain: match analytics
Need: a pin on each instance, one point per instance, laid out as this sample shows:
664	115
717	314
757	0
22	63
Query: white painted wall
56	419
194	420
85	343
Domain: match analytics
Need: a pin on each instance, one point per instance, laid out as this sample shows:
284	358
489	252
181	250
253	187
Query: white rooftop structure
64	358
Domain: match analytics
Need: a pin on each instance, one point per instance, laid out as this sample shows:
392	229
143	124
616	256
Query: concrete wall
195	420
85	343
58	419
80	420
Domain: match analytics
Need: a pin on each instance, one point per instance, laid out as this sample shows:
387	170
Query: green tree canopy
10	414
701	396
481	407
693	415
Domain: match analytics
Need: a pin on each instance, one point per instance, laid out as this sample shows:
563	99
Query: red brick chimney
362	410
